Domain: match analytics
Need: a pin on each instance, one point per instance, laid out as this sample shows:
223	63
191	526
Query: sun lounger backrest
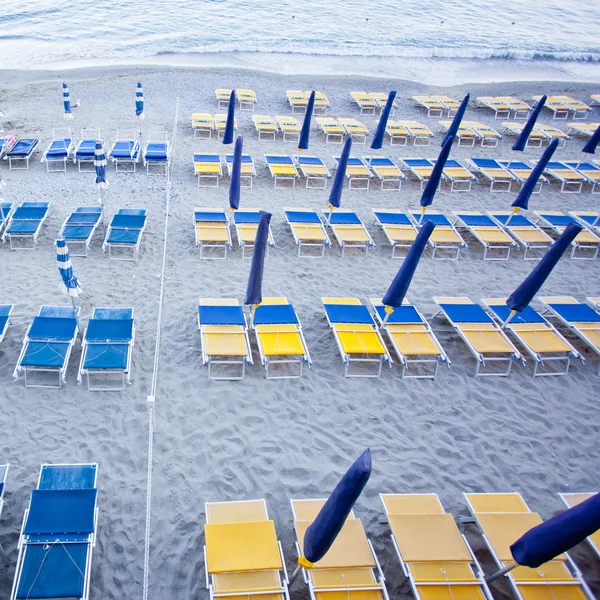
221	315
49	328
392	218
275	314
112	330
344	218
466	313
65	511
349	313
576	313
67	477
527	315
401	314
296	216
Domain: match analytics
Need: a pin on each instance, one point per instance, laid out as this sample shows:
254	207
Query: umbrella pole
294	575
388	311
514	212
329	215
500	573
580	160
75	311
102	203
511	159
422	215
508	320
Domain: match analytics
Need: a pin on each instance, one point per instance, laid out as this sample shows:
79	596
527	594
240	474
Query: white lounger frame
314	244
87	134
202	246
575	245
59	135
34	236
487	246
135	157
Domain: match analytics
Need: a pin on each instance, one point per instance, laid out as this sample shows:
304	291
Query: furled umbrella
67	101
230	123
70	284
335	194
521	142
255	278
377	142
100	168
2	182
436	176
139	101
305	131
591	145
458	117
236	174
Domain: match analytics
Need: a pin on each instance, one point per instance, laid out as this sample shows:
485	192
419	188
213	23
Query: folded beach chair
297	100
445	238
356	129
563	106
58	535
421	134
485	340
289	127
313	169
494	172
536	137
248	172
357	337
572	499
350	569
79	228
321	103
465	136
550	351
413	340
552	132
434	108
333	130
221	123
381	99
488	137
589	219
502	520
242	556
5	310
211	226
5	210
157	152
579	318
25	223
571	181
203	125
224	338
245	98
266	126
358	173
421	168
307	229
281	344
365	102
590	171
3	475
125	233
387	171
246	222
399	134
208	169
586	242
86	148
524	231
6	144
460	177
47	347
125	151
488	233
585	130
59	151
398	228
107	348
434	556
520	171
282	168
20	153
348	230
500	107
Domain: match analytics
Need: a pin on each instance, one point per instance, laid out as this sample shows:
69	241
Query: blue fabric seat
466	313
389	218
349	313
221	315
296	216
275	314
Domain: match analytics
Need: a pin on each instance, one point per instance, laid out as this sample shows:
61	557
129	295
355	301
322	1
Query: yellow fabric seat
359	339
455	592
401	233
444	235
453	572
247	169
492	235
591	330
555	571
485	338
204	168
458	173
413	339
232	512
396	129
490	503
357	170
595	175
411	504
212	232
309	232
387	172
540	338
530	235
315	170
351	233
308	509
342	578
283	169
225	340
280	340
498	173
247	232
424	172
568	174
253	581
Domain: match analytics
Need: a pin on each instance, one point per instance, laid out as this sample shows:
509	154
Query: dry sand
271	439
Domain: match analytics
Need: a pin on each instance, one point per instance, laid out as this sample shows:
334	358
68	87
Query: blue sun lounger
313	169
80	227
520	171
307	229
20	153
107	349
398	228
445	236
157	152
5	208
525	232
488	233
125	232
248	169
3	474
589	171
246	226
587	242
125	151
387	171
348	230
5	310
25	223
59	151
282	168
58	535
6	144
356	171
86	148
494	172
211	227
47	346
421	168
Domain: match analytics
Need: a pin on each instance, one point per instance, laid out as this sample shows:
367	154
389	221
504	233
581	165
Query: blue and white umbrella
2	182
100	167
139	102
70	284
67	101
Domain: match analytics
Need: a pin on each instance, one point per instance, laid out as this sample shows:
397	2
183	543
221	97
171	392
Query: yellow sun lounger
242	556
365	102
357	337
245	98
488	233
488	137
494	172
595	99
501	108
381	100
521	171
289	127
450	104
208	170
465	136
459	176
387	171
421	168
552	132
297	100
571	181
350	569
588	218
221	123
413	340
590	171
398	134
333	130
502	520
434	556
203	125
544	344
321	102
398	228
524	231
573	499
358	173
224	338
280	340
563	106
586	242
211	226
483	337
536	137
434	107
420	133
246	227
313	169
248	172
520	108
348	230
307	229
445	238
583	129
266	127
282	168
356	129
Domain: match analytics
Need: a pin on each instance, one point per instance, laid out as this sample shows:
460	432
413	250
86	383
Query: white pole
508	320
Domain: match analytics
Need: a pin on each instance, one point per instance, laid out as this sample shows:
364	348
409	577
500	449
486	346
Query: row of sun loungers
370	102
298	100
470	132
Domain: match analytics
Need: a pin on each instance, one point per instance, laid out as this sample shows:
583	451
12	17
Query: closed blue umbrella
67	101
436	176
236	174
305	131
70	284
322	532
254	289
591	145
523	138
549	539
377	142
139	102
230	123
335	195
453	129
100	168
2	182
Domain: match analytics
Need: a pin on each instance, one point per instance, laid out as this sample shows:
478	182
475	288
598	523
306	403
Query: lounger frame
86	134
313	181
157	137
488	247
23	236
326	243
74	243
128	164
4	329
576	247
14	161
523	244
344	245
135	248
59	165
211	245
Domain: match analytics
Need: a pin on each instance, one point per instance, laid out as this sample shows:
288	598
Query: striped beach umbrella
305	131
63	259
139	101
2	182
100	168
230	123
67	101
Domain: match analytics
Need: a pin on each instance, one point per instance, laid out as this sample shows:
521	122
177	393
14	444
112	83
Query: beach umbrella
67	101
523	138
2	182
305	131
139	101
523	295
335	194
549	539
453	129
255	278
70	285
322	532
230	124
591	145
436	176
100	168
236	174
377	142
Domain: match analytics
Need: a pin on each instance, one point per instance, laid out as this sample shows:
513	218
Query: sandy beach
274	439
